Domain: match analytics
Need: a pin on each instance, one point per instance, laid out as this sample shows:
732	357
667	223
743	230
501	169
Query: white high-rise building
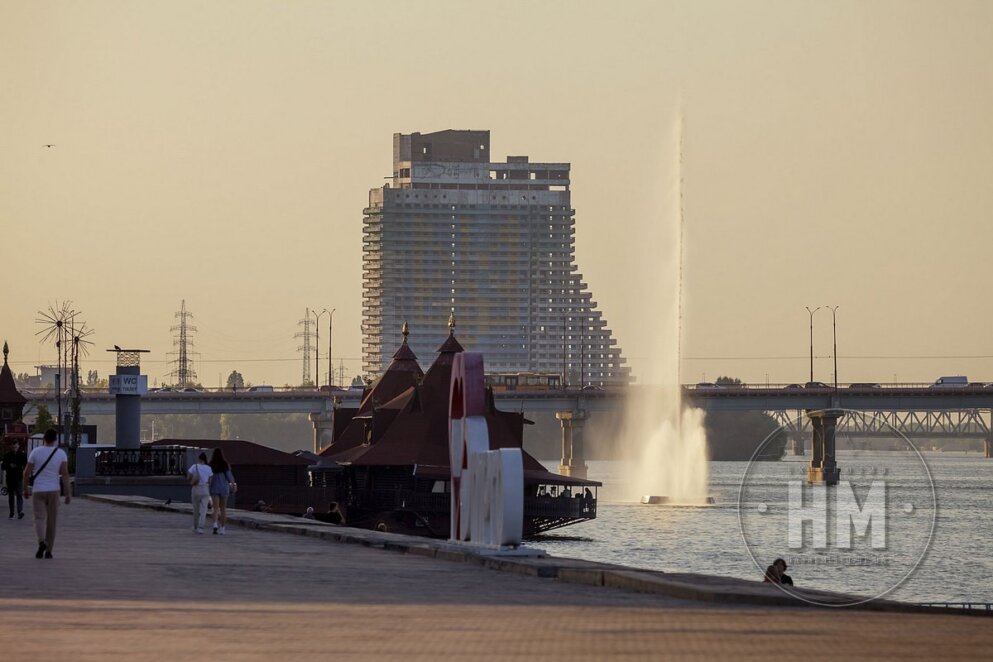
454	232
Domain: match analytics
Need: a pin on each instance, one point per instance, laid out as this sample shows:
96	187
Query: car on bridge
815	385
864	385
951	381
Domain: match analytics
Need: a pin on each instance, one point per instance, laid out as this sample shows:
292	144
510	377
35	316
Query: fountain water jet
665	443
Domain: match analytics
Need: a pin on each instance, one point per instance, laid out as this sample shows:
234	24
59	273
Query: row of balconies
474	222
559	242
493	202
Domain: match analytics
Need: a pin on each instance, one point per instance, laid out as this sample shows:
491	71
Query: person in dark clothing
14	462
335	516
783	577
771	575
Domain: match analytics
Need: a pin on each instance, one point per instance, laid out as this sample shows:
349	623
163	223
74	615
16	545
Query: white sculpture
487	485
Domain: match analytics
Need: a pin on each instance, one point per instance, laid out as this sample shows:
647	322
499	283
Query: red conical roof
9	395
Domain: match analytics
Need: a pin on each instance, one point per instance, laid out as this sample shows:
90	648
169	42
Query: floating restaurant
387	466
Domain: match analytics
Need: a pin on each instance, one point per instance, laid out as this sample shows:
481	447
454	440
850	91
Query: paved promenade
137	584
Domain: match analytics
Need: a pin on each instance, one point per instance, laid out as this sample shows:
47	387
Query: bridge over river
914	410
744	397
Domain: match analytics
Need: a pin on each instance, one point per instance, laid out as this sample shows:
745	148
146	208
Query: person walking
13	463
222	486
198	477
47	468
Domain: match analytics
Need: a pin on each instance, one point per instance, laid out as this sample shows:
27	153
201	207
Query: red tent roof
411	429
402	373
9	395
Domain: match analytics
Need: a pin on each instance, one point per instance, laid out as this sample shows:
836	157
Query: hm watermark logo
860	538
851	519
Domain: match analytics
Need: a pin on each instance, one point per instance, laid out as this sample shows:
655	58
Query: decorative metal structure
56	322
80	345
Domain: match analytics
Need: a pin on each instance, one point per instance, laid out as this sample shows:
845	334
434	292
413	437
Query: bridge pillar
573	459
988	447
323	428
823	466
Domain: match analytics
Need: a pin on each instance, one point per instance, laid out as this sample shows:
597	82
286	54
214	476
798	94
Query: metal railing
577	507
141	462
979	606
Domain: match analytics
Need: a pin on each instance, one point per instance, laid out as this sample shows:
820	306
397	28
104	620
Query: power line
860	357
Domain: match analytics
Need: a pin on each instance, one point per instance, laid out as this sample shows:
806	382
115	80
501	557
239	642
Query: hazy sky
221	152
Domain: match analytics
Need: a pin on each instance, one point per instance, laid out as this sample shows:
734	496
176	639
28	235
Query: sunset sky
835	153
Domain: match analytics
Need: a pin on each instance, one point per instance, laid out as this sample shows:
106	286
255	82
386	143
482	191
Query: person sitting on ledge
261	507
771	575
309	514
335	516
783	577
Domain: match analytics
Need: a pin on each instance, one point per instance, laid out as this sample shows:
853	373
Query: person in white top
198	477
48	466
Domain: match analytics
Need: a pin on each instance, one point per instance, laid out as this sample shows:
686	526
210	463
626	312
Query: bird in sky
49	146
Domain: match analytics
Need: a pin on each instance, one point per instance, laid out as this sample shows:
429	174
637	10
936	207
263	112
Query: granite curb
685	586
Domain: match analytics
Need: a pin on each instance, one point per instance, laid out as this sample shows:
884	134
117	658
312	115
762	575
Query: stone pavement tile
139	585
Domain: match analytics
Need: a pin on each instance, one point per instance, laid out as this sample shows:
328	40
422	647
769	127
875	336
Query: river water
949	557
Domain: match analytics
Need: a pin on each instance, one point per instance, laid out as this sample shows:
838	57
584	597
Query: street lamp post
317	345
812	339
330	328
834	330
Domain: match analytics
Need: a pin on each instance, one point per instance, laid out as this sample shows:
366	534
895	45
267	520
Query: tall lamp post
317	345
812	339
834	331
330	369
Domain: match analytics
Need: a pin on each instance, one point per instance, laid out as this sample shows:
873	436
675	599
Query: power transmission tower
307	323
183	374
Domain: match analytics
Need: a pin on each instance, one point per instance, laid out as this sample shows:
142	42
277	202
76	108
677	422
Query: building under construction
492	242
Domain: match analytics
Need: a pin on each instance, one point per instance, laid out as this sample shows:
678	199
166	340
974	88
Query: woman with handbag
47	470
222	486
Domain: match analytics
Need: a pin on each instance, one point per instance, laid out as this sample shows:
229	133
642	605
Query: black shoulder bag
42	468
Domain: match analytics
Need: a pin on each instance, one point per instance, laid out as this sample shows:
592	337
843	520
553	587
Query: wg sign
128	384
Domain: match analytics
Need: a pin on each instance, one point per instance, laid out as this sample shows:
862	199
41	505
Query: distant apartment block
493	243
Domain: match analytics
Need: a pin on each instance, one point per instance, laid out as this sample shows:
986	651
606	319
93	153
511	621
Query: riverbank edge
685	586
